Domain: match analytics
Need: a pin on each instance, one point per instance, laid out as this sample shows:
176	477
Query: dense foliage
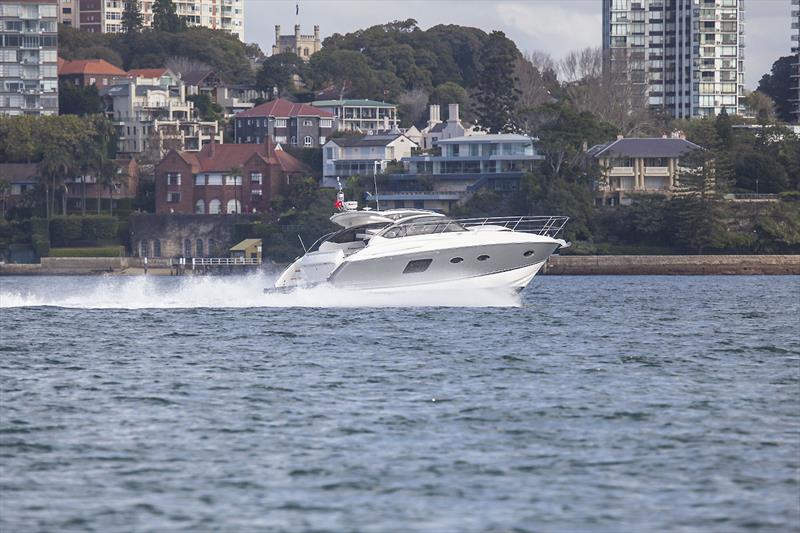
778	85
223	52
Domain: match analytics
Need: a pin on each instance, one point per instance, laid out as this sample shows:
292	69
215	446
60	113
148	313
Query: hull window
456	260
418	265
528	253
483	258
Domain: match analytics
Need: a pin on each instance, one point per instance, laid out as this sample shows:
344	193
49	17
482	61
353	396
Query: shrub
97	228
65	229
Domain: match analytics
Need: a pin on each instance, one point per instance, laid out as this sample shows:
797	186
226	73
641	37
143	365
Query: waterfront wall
557	265
672	264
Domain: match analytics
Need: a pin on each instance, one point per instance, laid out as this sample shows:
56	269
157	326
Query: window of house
280	138
156	248
308	140
233	207
321	140
187	248
256	177
200	207
144	248
293	140
199	248
173	178
233	180
255	195
325	123
214	179
308	122
173	197
280	123
200	179
214	207
328	153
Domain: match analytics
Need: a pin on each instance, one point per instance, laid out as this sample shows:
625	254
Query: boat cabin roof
348	219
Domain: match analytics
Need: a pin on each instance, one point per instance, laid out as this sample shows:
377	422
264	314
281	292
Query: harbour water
592	403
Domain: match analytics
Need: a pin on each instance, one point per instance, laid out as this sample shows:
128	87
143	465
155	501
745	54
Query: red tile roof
227	156
89	66
147	72
285	108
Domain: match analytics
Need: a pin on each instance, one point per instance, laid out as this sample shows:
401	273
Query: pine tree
497	92
132	19
165	17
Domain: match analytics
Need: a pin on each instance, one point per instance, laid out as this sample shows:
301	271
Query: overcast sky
553	26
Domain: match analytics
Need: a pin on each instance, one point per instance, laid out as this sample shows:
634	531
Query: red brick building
85	72
224	178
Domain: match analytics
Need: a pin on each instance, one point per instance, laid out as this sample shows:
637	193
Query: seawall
672	265
557	265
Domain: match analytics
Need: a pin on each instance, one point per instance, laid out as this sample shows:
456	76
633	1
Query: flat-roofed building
28	57
360	115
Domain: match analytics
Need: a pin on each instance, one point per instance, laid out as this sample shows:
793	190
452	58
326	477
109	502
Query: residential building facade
85	72
362	155
303	45
466	165
436	130
360	115
224	178
796	65
153	113
685	58
286	122
105	16
28	57
639	165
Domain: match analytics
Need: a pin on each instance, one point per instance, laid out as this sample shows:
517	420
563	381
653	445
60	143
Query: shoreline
557	265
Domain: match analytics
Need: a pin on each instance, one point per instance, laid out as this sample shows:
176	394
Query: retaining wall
672	264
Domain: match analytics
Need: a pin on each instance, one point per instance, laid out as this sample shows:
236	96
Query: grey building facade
28	57
288	123
685	56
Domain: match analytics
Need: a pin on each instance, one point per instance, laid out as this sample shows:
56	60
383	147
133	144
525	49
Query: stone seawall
557	265
672	264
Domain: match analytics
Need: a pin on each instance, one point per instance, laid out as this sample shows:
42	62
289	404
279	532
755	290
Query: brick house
85	72
286	122
204	182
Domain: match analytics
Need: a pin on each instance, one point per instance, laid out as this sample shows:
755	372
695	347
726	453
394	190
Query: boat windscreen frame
400	228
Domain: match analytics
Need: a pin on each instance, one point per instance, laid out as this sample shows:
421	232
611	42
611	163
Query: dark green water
599	404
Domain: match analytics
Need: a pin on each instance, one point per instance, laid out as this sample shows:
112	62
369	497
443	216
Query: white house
360	115
436	130
362	155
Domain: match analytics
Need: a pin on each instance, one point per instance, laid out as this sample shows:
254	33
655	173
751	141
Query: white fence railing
214	261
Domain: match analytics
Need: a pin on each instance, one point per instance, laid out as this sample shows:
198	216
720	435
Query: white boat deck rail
540	225
223	261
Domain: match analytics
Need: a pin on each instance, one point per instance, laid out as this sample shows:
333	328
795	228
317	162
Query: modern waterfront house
639	165
685	57
468	164
28	57
362	155
360	115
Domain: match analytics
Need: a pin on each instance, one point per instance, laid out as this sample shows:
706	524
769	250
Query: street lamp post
375	183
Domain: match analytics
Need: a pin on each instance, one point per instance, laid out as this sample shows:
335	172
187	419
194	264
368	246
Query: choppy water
594	403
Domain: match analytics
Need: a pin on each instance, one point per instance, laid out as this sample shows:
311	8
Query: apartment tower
28	57
105	16
685	56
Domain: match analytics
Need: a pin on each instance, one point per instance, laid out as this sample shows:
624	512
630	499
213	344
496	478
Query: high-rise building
105	16
686	57
796	63
28	57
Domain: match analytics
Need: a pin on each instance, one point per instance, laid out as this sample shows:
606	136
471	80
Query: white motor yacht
414	249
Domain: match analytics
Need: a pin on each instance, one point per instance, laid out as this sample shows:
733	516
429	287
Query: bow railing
549	226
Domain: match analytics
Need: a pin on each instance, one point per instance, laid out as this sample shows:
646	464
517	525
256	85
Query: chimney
213	143
433	115
316	33
296	34
452	113
277	35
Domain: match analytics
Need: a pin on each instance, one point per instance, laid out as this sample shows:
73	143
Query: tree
78	100
132	19
778	85
277	74
345	70
206	108
165	17
54	167
497	94
762	106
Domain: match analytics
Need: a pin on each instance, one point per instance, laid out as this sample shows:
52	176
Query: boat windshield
422	226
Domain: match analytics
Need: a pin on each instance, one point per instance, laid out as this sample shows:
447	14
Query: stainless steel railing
544	225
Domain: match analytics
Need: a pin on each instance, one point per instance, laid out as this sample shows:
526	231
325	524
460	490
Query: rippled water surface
594	403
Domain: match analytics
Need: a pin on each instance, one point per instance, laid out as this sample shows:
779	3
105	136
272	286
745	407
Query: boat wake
152	292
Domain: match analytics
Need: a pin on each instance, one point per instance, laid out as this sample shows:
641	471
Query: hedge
88	229
100	251
40	236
